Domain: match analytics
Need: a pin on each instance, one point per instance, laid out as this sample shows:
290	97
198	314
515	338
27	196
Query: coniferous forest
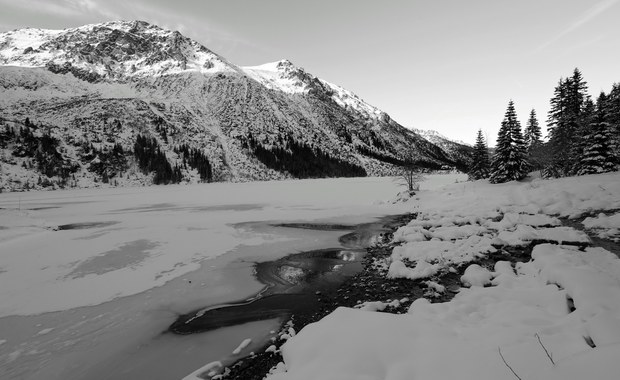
302	161
583	137
151	159
197	160
42	150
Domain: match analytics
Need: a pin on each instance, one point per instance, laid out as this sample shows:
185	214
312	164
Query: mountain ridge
161	84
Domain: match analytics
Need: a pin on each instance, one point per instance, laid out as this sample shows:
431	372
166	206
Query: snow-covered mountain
456	150
89	93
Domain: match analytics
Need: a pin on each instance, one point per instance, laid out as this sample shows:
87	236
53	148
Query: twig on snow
507	365
545	348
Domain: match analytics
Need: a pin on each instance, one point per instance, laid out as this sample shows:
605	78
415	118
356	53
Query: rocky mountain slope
132	103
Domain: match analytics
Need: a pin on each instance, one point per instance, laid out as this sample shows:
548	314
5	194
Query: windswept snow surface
565	301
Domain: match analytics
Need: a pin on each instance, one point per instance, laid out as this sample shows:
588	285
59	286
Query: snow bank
460	339
564	301
466	221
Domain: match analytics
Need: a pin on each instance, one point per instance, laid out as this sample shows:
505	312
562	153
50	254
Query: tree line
151	159
583	137
301	160
43	150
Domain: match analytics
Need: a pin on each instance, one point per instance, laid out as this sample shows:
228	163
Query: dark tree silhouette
481	166
302	161
509	162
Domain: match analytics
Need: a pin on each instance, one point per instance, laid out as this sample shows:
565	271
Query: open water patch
292	284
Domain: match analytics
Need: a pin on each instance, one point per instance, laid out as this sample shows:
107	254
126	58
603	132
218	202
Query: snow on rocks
511	220
606	226
564	303
422	269
523	235
380	306
475	275
272	348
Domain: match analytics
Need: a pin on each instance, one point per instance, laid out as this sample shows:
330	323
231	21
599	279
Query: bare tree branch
545	348
509	367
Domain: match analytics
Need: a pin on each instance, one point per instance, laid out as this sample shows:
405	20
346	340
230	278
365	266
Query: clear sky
447	65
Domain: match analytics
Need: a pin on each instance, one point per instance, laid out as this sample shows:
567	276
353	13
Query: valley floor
540	296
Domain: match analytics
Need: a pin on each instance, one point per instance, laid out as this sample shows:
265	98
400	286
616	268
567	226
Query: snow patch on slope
274	76
284	76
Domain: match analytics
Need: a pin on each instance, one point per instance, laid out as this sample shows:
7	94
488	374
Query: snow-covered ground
554	317
93	273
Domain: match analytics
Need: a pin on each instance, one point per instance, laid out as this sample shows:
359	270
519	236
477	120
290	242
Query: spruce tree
566	118
533	135
536	150
580	140
480	167
597	155
509	161
613	113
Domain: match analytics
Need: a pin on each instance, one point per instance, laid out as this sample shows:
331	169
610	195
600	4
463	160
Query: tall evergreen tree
533	135
566	118
509	161
582	131
480	167
613	113
597	155
536	150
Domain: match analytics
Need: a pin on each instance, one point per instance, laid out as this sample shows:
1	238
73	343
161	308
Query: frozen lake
91	279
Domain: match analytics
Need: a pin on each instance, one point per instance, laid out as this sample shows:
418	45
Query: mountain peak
112	50
281	75
129	25
281	65
285	64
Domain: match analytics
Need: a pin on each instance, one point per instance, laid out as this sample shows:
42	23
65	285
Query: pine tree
597	155
580	141
480	167
509	162
613	112
536	150
533	135
566	117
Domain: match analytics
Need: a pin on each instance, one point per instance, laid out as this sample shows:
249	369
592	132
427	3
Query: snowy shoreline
356	291
554	313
